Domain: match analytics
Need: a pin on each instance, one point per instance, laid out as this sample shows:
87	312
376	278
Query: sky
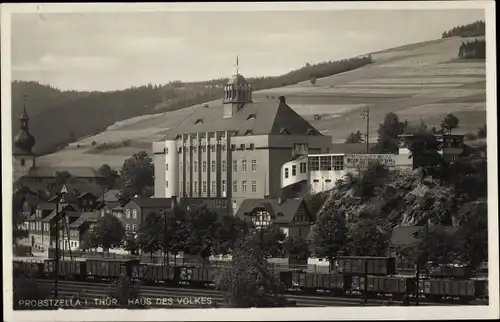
112	51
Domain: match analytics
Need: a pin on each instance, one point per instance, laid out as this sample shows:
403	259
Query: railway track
177	297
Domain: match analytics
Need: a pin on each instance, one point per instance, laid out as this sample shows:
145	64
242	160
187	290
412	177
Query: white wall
298	175
322	180
171	169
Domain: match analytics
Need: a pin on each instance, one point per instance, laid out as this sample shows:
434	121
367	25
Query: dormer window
284	131
310	132
251	117
198	121
248	132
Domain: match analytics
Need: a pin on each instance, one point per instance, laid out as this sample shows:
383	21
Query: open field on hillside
423	81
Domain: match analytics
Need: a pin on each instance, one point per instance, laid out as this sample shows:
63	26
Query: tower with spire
23	157
237	92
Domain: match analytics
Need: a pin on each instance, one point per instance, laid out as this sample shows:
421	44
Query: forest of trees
472	49
58	118
475	29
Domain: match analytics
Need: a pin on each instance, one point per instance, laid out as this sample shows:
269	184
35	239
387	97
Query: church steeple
237	92
24	141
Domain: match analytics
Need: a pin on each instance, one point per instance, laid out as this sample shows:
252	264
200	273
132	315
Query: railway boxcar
73	269
204	275
153	273
111	268
439	289
356	265
31	268
394	285
451	271
337	284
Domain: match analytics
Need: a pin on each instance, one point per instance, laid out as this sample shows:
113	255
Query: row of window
328	162
128	213
214	186
303	169
223	166
130	227
36	226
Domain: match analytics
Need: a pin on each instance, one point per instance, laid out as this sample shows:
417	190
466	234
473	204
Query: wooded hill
475	29
58	118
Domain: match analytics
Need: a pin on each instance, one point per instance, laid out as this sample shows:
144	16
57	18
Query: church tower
23	157
237	92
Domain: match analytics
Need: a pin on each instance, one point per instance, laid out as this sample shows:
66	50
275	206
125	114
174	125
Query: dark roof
404	235
50	172
46	206
53	213
237	79
111	196
356	148
270	118
282	213
78	189
86	217
152	202
31	200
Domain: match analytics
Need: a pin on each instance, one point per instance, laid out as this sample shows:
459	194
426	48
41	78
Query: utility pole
366	282
366	116
60	203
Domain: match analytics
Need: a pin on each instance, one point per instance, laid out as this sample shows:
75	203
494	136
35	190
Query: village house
79	229
137	209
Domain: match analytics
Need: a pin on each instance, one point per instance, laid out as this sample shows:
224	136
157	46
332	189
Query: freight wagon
111	268
444	289
67	268
373	286
356	265
31	268
337	284
153	273
451	271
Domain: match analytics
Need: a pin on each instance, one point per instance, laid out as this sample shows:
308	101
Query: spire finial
237	65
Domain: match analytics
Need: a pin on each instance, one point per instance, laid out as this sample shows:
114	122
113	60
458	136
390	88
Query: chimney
282	99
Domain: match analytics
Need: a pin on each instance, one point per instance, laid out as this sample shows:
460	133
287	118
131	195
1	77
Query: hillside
418	81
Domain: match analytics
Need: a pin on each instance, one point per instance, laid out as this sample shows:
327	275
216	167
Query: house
81	175
291	215
79	229
47	226
84	196
110	198
136	211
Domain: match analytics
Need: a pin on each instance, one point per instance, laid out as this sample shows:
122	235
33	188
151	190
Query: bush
470	136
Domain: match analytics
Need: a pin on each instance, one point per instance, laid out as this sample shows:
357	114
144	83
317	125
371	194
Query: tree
109	231
202	226
354	137
297	248
366	238
126	292
229	229
273	240
389	131
176	234
369	178
137	173
149	235
312	80
18	232
450	122
110	176
424	149
329	235
131	244
481	132
434	244
249	282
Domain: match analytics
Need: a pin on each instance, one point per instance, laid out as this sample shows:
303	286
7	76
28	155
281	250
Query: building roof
50	172
405	235
46	206
31	200
112	195
354	148
54	212
78	189
271	118
281	213
86	217
237	79
152	202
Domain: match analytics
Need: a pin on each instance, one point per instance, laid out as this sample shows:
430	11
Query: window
134	213
254	186
286	173
188	187
212	148
303	167
252	146
213	188
127	227
325	163
204	186
294	170
166	167
180	187
204	166
313	163
235	165
244	186
254	165
195	166
223	185
22	162
223	166
166	184
213	165
195	187
204	148
244	165
235	186
223	148
133	227
338	163
166	150
187	166
242	146
127	212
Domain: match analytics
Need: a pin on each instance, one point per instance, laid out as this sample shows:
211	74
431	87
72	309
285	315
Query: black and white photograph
260	161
